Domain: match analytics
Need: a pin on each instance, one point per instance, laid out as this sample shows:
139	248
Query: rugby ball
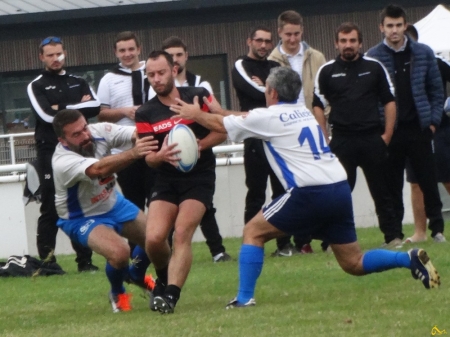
187	144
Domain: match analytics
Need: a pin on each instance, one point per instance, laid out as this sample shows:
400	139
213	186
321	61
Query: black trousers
412	143
47	229
257	170
371	154
136	182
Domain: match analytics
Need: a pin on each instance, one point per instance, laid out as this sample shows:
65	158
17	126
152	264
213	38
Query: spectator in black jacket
50	92
353	85
249	80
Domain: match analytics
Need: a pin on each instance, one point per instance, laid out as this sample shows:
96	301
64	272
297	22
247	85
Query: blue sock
251	259
379	260
116	277
139	264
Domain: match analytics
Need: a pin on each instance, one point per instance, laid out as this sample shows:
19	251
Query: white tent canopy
434	30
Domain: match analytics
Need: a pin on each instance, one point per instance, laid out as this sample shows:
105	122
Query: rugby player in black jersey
178	199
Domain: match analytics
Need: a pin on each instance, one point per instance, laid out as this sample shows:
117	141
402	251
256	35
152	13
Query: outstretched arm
212	121
114	163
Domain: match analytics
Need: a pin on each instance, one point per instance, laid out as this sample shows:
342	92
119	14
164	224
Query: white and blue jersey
293	142
313	177
77	195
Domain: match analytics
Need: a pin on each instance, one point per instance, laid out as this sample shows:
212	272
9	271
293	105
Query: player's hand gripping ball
187	144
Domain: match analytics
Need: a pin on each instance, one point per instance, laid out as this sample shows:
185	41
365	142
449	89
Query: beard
85	149
349	54
166	89
180	68
257	55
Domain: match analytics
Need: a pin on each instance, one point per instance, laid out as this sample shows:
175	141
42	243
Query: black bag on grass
28	266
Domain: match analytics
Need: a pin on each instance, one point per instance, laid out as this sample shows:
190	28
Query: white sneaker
439	238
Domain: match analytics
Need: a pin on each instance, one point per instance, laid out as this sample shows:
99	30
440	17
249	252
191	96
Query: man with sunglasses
249	80
53	91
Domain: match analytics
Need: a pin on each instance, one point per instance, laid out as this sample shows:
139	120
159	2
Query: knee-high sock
251	259
139	264
378	260
116	278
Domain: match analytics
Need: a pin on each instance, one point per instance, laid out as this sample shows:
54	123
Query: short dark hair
392	11
125	36
289	17
50	40
254	30
63	118
346	28
157	53
412	32
173	41
286	82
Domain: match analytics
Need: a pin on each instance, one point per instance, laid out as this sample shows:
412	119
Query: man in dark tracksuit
353	85
50	92
413	68
249	77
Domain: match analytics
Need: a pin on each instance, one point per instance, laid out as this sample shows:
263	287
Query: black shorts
176	189
441	141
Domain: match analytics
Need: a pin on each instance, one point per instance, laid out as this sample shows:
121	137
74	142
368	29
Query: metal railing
17	148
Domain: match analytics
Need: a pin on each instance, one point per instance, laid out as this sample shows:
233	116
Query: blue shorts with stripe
321	212
79	229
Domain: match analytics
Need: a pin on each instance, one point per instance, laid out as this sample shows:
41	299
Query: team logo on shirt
168	124
85	227
294	116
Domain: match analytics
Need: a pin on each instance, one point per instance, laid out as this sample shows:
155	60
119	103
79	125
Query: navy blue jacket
426	83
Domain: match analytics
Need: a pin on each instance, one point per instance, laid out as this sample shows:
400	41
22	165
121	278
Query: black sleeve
319	99
385	87
90	108
143	125
444	68
40	102
244	87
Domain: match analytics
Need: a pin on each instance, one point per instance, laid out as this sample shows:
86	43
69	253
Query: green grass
304	295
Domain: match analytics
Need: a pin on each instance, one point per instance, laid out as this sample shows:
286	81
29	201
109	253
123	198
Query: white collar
299	53
141	66
402	48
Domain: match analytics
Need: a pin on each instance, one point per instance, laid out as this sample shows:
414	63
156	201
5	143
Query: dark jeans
47	229
412	143
371	154
257	170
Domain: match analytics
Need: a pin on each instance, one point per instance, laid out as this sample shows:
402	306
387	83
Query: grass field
305	295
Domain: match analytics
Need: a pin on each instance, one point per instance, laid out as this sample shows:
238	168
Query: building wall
89	41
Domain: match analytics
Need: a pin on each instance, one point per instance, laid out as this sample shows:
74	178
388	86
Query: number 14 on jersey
313	137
